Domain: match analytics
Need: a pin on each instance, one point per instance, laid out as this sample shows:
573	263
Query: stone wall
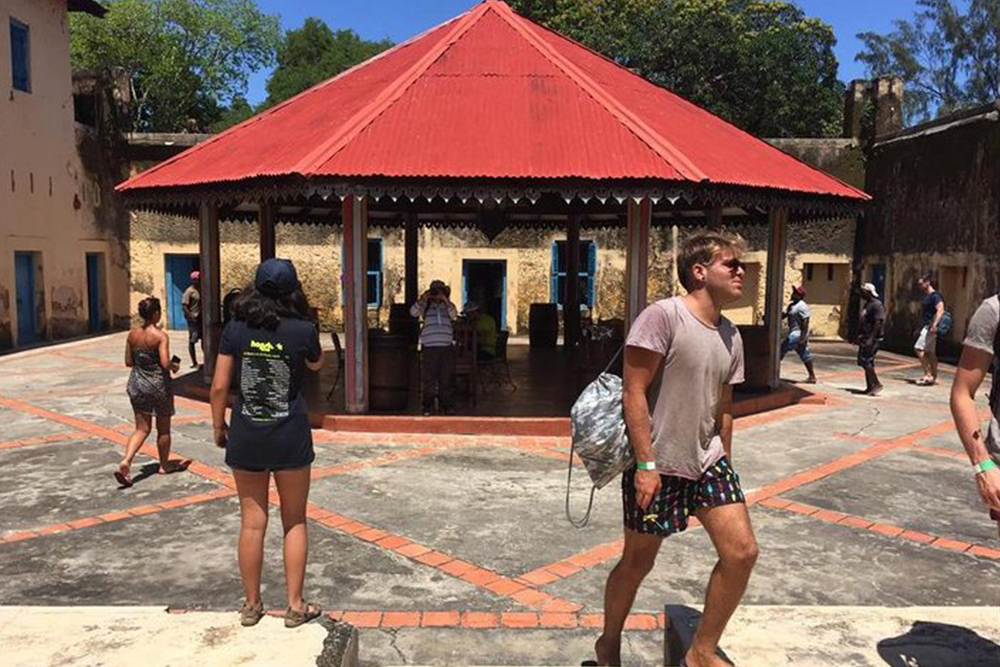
937	211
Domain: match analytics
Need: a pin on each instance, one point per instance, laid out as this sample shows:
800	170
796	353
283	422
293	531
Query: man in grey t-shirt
979	358
682	358
798	331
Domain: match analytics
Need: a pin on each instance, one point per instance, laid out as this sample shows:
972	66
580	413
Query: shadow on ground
930	644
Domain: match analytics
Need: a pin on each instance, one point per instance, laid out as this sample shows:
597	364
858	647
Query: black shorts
679	498
194	332
866	355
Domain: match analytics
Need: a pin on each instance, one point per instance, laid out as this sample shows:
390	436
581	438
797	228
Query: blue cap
276	277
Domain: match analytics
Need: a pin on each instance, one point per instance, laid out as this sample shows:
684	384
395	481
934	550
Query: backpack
599	436
944	326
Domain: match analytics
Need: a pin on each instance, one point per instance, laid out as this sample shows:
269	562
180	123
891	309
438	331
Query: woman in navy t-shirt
265	351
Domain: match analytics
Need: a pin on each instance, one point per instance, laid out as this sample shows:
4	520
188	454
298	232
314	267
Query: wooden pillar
713	218
355	219
268	241
412	266
636	258
211	285
777	243
571	304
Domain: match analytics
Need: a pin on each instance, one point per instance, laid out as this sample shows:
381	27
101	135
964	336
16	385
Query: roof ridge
653	139
389	95
256	118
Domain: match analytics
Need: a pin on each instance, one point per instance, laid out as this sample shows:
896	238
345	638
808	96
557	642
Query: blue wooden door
24	279
93	292
179	268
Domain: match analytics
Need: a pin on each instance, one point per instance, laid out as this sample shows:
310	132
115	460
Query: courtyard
455	550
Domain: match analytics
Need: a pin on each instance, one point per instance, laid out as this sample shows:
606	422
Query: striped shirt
437	330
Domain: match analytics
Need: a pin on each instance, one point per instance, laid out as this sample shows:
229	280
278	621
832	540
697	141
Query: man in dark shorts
980	355
683	445
870	336
191	304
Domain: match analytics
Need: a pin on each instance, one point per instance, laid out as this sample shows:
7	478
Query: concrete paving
454	550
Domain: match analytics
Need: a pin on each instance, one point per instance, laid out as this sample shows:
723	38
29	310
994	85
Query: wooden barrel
402	323
543	324
389	358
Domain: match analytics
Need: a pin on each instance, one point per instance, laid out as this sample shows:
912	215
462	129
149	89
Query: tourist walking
980	355
265	351
191	305
683	445
147	353
797	314
437	350
932	310
870	336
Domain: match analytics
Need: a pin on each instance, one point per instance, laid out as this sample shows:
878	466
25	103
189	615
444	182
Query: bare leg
293	489
619	593
143	425
163	442
932	365
729	528
252	488
924	365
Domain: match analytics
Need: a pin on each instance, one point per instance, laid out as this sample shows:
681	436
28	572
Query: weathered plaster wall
51	205
936	211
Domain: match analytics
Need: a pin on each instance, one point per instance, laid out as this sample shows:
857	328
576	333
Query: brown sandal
251	614
294	619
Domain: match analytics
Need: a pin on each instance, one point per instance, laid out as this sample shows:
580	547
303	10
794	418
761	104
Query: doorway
27	305
485	281
179	268
95	291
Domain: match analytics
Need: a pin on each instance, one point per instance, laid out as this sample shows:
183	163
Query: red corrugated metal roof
490	94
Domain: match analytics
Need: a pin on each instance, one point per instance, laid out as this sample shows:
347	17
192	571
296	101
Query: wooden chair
496	371
340	363
466	365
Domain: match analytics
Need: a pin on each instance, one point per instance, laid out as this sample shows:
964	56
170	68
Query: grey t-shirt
698	360
797	314
981	333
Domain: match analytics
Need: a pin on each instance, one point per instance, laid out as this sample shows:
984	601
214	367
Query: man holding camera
437	353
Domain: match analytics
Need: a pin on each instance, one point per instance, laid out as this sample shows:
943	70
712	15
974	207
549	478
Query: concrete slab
491	506
65	481
17	425
126	636
909	489
186	558
806	562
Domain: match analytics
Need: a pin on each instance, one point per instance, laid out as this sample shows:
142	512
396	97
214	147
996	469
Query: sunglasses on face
734	264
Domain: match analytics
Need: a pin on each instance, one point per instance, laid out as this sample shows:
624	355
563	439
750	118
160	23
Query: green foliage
948	58
760	64
314	53
186	59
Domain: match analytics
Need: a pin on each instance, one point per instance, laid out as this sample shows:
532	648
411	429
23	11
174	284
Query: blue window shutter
555	273
20	56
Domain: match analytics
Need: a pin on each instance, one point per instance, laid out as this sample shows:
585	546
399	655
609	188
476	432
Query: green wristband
983	466
645	465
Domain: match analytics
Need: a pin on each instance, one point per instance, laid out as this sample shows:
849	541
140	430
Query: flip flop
123	478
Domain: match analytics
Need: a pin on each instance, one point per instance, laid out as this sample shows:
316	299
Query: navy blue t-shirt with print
269	429
929	306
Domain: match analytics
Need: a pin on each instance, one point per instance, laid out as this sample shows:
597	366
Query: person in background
147	353
798	331
981	355
228	304
486	331
870	336
437	351
932	310
265	352
191	305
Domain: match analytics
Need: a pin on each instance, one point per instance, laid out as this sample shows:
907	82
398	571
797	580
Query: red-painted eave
490	95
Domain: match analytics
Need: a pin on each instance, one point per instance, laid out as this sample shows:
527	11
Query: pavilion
492	120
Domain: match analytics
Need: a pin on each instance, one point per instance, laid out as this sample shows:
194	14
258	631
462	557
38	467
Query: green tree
948	55
186	59
314	53
760	64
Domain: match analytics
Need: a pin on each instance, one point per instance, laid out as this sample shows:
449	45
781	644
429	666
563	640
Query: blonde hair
702	248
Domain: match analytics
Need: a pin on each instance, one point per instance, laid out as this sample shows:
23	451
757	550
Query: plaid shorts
679	498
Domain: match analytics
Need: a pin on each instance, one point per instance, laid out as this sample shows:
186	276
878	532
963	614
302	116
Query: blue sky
401	19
